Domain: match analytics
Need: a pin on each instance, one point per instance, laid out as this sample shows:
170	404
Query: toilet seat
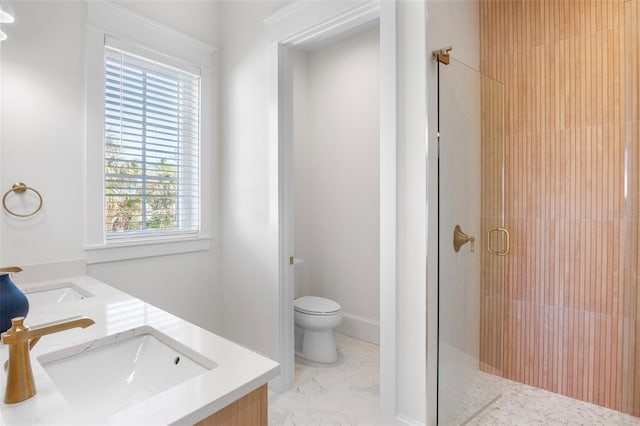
313	305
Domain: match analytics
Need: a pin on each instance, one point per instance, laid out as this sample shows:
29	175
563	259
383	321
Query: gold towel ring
21	188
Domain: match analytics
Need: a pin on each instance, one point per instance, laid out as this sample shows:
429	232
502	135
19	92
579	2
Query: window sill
113	252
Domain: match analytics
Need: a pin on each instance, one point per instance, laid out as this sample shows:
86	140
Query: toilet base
317	342
318	346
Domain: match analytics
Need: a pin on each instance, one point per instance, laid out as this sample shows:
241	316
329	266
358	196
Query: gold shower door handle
506	248
460	239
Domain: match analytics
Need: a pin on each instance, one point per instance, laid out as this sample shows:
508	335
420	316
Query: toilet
315	318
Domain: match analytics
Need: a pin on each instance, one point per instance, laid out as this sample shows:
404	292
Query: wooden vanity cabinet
250	410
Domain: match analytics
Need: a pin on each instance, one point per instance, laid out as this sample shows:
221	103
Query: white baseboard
403	420
361	328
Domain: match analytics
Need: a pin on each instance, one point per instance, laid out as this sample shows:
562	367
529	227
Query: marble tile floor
343	393
347	393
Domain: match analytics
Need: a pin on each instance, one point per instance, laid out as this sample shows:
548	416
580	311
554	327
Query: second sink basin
55	293
118	371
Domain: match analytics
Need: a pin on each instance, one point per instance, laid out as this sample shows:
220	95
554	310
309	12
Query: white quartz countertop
238	370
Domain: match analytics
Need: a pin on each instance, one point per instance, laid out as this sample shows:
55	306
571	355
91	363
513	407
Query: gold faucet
12	269
21	339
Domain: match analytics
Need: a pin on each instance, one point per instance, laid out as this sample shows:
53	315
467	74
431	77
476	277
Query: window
151	148
150	138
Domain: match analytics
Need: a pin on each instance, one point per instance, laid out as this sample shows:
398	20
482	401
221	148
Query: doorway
336	177
281	55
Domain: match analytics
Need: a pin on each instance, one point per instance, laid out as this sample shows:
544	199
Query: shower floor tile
521	404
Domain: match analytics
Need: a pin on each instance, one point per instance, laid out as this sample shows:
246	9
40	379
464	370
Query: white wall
411	226
336	178
195	18
42	130
302	176
42	143
248	221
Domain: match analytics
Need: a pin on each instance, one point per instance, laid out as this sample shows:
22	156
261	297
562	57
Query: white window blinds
151	147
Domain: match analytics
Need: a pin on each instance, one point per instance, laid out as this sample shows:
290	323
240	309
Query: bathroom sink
112	373
55	293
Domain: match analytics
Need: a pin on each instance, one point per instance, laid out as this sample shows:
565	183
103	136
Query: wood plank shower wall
561	312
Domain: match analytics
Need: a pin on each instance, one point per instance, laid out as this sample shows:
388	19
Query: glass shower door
471	187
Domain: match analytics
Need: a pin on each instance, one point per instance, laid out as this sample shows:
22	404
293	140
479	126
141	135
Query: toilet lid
316	305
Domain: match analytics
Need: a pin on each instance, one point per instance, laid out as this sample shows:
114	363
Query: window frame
126	64
114	25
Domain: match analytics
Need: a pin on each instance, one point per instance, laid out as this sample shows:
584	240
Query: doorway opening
338	28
